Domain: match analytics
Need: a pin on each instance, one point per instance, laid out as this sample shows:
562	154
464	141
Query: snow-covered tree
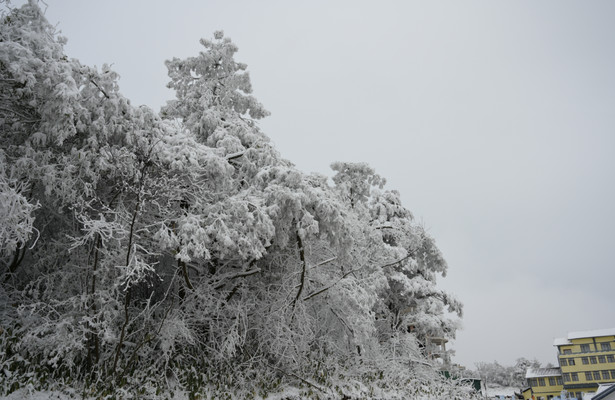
412	300
179	251
496	374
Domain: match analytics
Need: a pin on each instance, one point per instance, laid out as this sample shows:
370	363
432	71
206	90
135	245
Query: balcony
590	350
436	348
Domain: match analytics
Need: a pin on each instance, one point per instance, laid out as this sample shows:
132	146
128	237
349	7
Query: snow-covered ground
494	391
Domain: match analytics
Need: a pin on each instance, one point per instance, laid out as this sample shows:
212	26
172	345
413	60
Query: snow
148	203
499	391
583	334
561	342
594	333
603	388
542	372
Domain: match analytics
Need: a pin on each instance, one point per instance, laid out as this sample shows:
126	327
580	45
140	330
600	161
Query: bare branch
327	261
27	118
384	227
99	88
303	267
185	274
342	321
396	262
242	274
233	156
316	293
315	386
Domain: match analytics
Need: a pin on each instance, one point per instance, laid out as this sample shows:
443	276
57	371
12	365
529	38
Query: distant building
435	348
586	360
544	383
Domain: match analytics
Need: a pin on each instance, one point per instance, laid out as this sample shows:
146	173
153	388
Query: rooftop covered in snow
542	372
583	334
561	341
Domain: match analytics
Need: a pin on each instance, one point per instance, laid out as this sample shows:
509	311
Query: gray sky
495	121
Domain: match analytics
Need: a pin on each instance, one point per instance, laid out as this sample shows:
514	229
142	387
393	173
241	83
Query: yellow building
586	359
527	393
544	383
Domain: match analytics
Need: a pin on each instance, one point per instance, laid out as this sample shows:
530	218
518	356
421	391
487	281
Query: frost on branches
149	253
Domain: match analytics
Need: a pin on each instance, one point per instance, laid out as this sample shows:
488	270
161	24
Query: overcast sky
495	121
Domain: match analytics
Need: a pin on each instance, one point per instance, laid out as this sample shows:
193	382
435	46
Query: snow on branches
179	248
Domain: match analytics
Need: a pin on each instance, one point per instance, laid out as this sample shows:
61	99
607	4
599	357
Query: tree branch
25	117
129	289
315	386
185	274
327	261
384	227
303	267
316	293
397	262
99	88
242	274
342	321
233	156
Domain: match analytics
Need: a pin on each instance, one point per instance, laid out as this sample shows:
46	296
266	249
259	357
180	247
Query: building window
605	346
533	382
593	360
588	376
567	351
601	359
559	380
610	358
566	377
552	381
585	360
541	381
606	375
584	348
571	361
563	362
596	375
613	373
574	376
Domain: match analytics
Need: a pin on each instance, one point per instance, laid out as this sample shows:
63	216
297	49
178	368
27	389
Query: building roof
604	391
588	334
583	334
542	372
561	342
